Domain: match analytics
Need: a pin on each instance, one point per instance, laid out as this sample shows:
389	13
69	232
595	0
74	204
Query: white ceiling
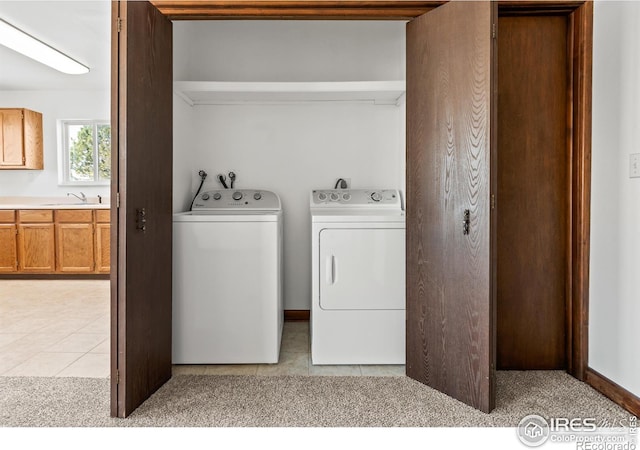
80	29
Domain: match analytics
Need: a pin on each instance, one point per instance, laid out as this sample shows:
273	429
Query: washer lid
236	200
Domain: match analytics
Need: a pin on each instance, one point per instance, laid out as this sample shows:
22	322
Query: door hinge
493	30
493	201
117	199
119	24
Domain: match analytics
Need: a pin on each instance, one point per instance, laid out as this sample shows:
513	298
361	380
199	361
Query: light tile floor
295	359
54	328
60	328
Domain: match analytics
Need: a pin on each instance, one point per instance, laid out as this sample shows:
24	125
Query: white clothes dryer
358	279
227	279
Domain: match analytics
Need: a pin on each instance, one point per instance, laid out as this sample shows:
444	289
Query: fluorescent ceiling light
21	42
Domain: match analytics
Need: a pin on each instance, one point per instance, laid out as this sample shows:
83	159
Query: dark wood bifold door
142	138
450	274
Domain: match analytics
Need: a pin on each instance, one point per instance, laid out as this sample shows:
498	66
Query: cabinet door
75	247
103	247
8	248
11	137
36	247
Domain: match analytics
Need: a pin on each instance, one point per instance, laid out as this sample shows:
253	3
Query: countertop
53	203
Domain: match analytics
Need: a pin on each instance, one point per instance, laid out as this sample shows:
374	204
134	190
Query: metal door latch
141	219
466	223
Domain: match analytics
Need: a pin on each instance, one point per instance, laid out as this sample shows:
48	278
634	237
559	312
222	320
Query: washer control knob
205	197
376	197
237	196
257	196
334	197
322	196
217	196
346	197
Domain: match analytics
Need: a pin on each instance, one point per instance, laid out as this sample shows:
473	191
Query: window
85	152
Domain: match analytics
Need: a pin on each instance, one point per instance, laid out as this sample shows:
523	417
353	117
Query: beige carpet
289	401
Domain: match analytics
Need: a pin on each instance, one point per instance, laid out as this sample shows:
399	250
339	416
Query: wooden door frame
580	46
580	14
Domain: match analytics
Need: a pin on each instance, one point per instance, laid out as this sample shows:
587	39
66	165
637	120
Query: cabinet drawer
35	215
103	215
7	216
74	216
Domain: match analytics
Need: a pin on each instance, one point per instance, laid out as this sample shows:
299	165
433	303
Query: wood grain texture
103	215
7	216
118	240
21	145
8	248
613	391
11	137
74	215
103	248
74	247
582	60
533	180
36	247
328	9
33	143
35	215
345	9
144	94
449	304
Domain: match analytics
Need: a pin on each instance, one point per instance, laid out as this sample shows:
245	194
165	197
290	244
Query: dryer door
362	268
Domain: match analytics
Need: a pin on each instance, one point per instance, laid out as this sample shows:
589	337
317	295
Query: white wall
614	307
290	149
184	164
289	50
54	105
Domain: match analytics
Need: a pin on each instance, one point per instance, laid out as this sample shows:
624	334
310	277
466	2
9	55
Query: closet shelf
233	93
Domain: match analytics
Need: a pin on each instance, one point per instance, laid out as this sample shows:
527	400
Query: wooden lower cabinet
74	241
8	248
74	247
49	242
36	248
103	241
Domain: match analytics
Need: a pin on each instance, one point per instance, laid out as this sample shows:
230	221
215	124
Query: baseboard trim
296	315
613	391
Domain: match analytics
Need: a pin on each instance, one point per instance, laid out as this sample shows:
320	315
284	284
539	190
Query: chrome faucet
81	197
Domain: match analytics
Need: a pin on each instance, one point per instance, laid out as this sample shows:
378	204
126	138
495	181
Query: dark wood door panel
144	139
449	304
533	192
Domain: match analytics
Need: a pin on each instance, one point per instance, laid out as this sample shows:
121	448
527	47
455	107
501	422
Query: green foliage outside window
84	158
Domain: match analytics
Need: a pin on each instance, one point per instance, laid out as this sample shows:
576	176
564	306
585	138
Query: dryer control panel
237	199
355	198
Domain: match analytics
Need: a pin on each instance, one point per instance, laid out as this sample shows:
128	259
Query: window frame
64	171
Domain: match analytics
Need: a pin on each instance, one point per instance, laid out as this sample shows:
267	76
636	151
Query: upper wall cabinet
20	139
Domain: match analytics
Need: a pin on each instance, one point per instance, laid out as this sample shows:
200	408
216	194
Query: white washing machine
227	279
358	280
